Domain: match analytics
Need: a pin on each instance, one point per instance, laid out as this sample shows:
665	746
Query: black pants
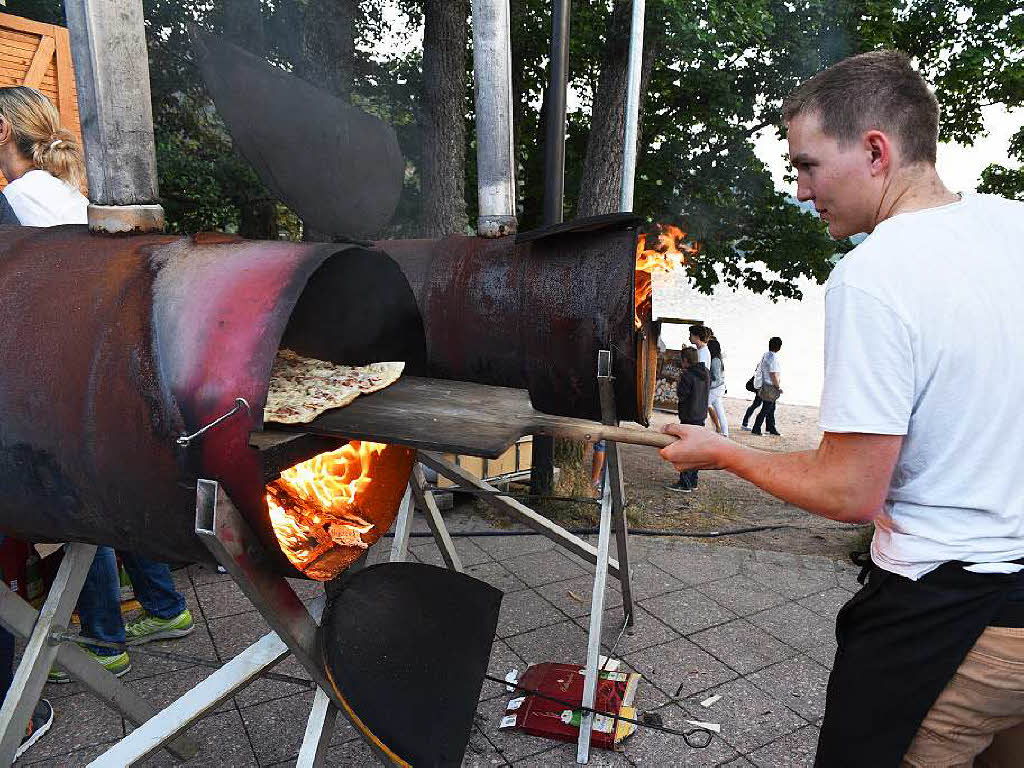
766	416
900	642
753	407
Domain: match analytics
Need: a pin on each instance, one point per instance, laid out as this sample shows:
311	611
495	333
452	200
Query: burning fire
666	254
313	506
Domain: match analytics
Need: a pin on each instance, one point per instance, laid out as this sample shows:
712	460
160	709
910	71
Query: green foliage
721	69
973	54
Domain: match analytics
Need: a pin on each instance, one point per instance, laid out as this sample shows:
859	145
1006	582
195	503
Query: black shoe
679	488
42	719
772	432
756	432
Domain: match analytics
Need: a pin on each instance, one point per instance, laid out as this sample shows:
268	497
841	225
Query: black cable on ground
593	531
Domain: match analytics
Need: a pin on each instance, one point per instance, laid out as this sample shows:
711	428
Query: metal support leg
319	730
614	464
403	526
41	652
19	618
425	501
517	511
204	697
596	623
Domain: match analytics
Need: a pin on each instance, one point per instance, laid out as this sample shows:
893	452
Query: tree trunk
243	26
601	183
443	171
328	52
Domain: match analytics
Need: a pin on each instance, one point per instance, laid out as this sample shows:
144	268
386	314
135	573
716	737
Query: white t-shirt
769	364
41	200
704	356
923	338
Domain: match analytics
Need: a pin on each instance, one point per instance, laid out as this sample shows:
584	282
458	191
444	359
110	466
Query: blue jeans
99	604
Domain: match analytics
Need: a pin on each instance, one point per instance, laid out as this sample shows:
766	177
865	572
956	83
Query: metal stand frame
21	619
231	542
613	510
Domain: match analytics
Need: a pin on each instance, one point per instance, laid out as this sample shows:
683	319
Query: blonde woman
41	161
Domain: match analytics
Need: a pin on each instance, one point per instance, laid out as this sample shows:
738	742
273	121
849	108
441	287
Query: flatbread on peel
302	388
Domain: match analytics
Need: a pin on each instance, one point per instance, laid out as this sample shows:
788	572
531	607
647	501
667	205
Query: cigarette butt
574	596
711	700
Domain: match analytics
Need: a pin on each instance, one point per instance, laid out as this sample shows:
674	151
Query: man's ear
880	151
5	130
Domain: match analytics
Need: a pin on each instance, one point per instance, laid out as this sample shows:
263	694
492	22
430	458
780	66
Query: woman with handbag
765	385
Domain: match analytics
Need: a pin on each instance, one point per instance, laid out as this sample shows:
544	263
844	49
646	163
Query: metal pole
492	75
554	146
542	474
108	45
636	54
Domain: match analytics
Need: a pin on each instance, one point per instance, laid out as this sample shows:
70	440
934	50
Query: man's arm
846	478
775	379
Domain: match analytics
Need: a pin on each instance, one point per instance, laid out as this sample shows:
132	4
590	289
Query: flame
313	504
666	254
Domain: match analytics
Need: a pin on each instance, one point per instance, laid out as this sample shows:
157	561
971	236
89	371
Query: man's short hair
878	90
700	332
774	343
689	355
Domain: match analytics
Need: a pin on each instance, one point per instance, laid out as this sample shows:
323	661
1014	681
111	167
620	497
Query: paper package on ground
540	716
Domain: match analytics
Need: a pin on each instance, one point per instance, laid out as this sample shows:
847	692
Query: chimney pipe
492	73
108	43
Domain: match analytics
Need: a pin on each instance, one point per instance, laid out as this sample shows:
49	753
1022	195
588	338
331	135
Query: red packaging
540	716
14	553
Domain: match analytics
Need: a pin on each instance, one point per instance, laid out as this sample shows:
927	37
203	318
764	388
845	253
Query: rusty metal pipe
114	348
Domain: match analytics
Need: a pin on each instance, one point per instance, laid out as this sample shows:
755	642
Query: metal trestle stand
612	512
42	651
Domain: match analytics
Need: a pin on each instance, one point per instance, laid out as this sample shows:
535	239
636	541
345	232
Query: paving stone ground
755	628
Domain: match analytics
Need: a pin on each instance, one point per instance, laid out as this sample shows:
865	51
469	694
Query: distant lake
743	322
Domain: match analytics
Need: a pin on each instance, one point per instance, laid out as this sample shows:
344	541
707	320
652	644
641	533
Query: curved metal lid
336	166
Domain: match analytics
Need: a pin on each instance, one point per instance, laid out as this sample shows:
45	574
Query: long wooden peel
444	416
590	432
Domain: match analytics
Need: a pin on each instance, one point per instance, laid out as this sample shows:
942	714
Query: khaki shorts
980	714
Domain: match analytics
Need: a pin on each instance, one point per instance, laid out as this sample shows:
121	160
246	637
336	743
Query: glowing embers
667	253
326	511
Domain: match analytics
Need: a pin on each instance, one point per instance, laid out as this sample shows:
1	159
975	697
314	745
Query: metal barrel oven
115	348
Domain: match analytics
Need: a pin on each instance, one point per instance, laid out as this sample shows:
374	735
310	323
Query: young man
768	372
699	336
692	397
931	651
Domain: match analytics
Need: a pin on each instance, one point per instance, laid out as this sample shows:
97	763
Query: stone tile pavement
755	628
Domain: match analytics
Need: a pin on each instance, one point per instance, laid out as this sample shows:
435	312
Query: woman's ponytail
38	135
59	155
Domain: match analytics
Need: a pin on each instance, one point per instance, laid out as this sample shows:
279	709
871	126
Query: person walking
767	373
716	408
930	662
692	396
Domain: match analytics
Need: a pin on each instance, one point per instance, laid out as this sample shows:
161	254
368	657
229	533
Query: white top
923	339
769	364
704	356
41	200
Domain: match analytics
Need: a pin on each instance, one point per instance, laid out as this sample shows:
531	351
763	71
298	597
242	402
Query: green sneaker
147	628
117	665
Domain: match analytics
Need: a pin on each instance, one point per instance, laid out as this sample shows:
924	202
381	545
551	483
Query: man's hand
696	448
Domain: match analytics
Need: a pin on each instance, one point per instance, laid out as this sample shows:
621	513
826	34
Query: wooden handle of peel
637	436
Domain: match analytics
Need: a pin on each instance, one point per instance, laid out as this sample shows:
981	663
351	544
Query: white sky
959	166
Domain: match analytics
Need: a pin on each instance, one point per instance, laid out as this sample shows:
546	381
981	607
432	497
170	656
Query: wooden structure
39	55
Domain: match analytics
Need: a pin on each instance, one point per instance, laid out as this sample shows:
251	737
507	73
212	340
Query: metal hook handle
240	403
